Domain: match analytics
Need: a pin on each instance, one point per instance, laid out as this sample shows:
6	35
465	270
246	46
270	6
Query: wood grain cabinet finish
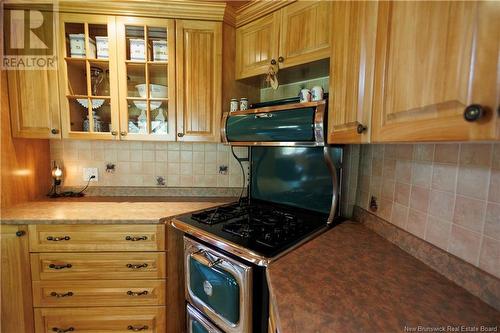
296	34
256	45
34	99
109	320
199	75
98	266
16	297
99	293
124	237
433	59
305	32
353	35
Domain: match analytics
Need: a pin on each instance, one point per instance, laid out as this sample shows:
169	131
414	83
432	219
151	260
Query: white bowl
155	90
153	105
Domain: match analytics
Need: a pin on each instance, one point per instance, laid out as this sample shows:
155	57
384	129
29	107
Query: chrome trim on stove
192	313
223	123
241	272
335	185
236	249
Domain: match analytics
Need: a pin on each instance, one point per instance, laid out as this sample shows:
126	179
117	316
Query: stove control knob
267	236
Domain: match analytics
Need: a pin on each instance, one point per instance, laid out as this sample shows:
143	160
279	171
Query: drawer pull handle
54	266
135	239
137	293
68	294
62	330
137	266
137	328
58	239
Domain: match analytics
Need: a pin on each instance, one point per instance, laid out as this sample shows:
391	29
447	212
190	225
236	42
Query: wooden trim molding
185	9
257	9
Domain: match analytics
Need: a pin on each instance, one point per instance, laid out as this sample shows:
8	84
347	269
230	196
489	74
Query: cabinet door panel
257	45
434	59
351	69
199	70
17	312
305	32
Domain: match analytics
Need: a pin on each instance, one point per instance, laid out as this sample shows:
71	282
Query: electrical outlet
89	172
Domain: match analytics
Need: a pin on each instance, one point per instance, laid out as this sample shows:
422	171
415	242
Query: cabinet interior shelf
87	96
144	98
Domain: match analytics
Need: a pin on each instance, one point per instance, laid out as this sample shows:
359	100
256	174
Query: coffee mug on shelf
305	95
317	93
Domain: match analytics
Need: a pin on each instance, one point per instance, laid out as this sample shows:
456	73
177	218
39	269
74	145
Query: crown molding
258	8
181	9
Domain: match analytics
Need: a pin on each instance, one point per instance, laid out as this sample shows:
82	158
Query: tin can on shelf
160	50
317	93
137	49
233	105
243	103
305	95
102	47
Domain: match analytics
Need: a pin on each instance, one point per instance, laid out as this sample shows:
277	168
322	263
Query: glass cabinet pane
75	40
77	77
98	41
136	80
159	117
137	116
157	44
135	45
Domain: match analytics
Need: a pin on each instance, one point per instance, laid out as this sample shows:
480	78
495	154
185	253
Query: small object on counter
102	46
160	50
243	104
233	105
305	95
77	46
317	93
137	49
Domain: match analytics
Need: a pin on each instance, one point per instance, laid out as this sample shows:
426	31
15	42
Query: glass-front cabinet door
89	89
146	62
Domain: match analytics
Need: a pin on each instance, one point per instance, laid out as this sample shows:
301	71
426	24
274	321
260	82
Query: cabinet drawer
109	320
98	293
98	266
126	237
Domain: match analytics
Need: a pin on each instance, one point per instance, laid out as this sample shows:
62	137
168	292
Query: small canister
234	105
305	95
243	103
317	93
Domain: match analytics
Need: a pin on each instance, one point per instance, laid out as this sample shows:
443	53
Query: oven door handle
202	258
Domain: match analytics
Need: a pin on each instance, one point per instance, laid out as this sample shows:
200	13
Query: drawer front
98	266
109	320
126	237
99	293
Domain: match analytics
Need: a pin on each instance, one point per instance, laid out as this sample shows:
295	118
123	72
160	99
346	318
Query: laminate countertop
350	279
102	210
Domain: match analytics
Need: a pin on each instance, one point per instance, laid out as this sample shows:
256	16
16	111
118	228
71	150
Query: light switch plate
89	172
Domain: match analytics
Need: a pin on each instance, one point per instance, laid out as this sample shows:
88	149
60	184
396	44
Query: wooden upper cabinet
199	70
33	98
353	35
17	311
433	59
305	32
88	78
256	45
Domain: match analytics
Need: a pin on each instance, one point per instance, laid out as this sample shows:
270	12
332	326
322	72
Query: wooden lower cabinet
99	293
16	308
109	320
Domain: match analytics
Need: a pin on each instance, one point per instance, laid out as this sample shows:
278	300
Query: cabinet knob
114	133
273	61
180	135
361	129
473	112
20	233
123	133
281	59
54	131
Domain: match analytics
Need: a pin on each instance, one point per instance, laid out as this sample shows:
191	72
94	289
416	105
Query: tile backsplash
142	163
447	194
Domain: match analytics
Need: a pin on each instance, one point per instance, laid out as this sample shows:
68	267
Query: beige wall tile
496	156
476	154
389	169
399	215
441	205
174	156
423	152
402	194
489	259
148	155
416	223
388	187
446	153
469	213
444	177
494	191
465	244
186	156
421	174
438	232
403	171
377	167
492	221
473	182
419	198
404	151
384	209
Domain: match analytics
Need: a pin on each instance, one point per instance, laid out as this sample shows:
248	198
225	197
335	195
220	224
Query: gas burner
220	214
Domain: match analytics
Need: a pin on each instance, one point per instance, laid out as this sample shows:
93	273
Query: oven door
196	323
219	287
